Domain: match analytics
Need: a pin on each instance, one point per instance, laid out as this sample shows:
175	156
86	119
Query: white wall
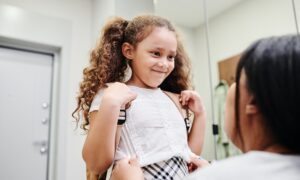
104	9
42	22
131	8
101	11
231	32
187	36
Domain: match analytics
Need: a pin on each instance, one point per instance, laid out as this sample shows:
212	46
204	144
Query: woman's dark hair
272	68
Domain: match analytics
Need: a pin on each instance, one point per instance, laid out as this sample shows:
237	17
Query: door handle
43	150
43	145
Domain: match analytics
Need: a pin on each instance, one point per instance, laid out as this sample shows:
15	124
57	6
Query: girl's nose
163	63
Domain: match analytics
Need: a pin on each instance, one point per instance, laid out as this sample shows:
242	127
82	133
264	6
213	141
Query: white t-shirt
154	129
254	165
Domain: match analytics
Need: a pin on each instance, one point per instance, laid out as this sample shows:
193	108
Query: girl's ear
128	50
251	107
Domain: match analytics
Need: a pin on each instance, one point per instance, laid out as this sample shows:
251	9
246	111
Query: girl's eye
157	54
171	58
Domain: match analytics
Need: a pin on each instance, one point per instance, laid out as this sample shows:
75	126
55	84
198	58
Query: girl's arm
197	133
193	101
100	144
98	149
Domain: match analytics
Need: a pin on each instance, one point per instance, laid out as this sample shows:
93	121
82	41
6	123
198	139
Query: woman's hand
127	169
193	101
119	93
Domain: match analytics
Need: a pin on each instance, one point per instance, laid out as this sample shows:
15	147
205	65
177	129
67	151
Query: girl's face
153	58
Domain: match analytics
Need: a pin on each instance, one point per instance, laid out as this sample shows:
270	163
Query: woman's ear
251	107
128	50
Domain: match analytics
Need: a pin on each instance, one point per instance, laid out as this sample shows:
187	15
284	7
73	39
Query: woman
262	114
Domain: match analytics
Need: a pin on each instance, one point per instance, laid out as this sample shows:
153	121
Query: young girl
149	102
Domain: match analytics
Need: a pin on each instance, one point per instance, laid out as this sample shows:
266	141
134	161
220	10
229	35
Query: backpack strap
183	111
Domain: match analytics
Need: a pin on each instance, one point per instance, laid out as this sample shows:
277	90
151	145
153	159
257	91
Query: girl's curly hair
108	64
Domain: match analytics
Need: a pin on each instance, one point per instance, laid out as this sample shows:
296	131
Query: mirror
229	33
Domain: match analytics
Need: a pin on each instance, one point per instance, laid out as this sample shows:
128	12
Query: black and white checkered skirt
172	169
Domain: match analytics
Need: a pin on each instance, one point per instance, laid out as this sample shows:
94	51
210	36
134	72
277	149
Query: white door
25	94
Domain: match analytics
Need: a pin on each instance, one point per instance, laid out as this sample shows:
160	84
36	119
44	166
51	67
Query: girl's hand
119	93
197	163
192	100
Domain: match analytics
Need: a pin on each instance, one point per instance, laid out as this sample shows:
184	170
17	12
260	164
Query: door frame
31	49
